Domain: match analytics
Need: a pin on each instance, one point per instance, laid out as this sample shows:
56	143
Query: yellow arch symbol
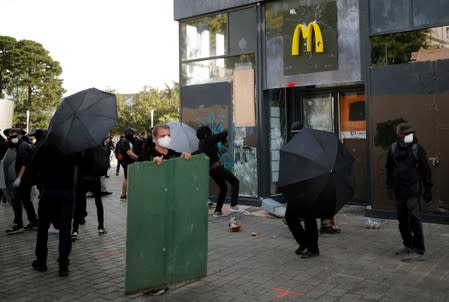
300	29
307	33
312	28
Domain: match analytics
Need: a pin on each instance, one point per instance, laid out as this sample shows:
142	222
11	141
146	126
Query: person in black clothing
408	172
208	145
87	182
3	149
22	183
130	149
161	150
54	175
307	236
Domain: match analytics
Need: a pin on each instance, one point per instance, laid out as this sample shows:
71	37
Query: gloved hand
427	196
17	182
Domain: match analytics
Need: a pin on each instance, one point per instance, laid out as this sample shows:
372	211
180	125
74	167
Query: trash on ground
234	225
373	224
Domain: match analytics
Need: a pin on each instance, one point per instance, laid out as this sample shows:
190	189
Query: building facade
255	67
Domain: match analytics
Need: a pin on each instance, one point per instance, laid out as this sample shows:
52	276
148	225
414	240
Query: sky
106	44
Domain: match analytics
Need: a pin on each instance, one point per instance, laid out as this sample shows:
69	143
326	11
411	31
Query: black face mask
129	137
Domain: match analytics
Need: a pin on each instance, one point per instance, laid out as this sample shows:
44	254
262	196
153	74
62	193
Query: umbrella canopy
82	120
183	137
316	171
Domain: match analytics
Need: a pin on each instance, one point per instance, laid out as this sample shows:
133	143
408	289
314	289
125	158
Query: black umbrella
82	120
316	171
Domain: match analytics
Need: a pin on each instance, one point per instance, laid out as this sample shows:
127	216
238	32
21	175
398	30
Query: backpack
118	151
98	160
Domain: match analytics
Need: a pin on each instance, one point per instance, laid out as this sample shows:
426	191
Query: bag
118	151
99	161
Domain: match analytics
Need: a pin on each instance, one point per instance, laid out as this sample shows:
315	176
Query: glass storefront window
204	37
319	112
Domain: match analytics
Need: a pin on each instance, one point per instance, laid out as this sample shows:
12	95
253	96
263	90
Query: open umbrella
316	171
183	137
82	120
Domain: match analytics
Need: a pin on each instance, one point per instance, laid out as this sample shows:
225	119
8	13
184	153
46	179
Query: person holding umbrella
307	236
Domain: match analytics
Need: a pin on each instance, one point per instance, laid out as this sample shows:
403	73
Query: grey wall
189	8
401	15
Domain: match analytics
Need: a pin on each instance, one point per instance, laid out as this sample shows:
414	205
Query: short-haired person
161	150
208	145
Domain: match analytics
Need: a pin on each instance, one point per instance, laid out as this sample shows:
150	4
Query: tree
137	112
30	77
7	45
396	48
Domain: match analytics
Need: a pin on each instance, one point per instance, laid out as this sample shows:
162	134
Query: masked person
307	236
408	173
22	183
161	150
208	145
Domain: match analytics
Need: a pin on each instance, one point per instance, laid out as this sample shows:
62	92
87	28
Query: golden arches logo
307	33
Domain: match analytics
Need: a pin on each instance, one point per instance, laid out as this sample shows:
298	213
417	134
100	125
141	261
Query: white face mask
15	140
408	138
164	141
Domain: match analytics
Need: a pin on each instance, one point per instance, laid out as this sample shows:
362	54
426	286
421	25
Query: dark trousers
117	169
306	236
220	175
84	186
23	197
55	206
410	224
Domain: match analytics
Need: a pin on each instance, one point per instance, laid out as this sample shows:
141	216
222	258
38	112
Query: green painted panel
167	223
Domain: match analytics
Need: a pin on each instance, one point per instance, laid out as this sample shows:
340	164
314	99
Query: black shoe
310	254
74	236
106	193
301	250
63	270
106	176
329	229
90	195
15	229
83	221
31	226
40	267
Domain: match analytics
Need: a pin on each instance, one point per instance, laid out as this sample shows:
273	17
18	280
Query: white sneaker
236	209
218	214
412	256
53	230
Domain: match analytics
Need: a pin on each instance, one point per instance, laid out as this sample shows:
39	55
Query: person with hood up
208	145
408	173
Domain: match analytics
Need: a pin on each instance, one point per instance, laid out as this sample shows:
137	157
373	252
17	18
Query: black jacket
208	145
407	172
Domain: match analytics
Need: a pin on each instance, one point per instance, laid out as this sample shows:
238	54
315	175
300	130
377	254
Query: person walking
54	174
307	236
208	145
22	183
408	173
118	155
88	181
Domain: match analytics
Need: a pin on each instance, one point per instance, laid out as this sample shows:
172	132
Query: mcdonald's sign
307	33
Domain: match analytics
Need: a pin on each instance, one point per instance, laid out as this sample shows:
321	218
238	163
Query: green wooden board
167	223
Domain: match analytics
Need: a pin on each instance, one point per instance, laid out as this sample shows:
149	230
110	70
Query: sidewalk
357	265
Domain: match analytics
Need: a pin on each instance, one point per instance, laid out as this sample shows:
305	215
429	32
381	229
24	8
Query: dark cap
404	129
296	126
129	130
20	130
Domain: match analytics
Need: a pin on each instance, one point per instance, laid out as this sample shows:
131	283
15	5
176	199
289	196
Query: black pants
84	186
410	224
55	206
220	175
306	236
23	197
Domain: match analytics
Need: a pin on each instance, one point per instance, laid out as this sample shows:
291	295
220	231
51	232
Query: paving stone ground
357	265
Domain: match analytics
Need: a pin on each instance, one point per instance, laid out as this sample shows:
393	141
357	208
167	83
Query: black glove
427	196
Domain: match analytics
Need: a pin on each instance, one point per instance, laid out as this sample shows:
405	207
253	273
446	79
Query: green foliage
396	48
135	112
31	78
